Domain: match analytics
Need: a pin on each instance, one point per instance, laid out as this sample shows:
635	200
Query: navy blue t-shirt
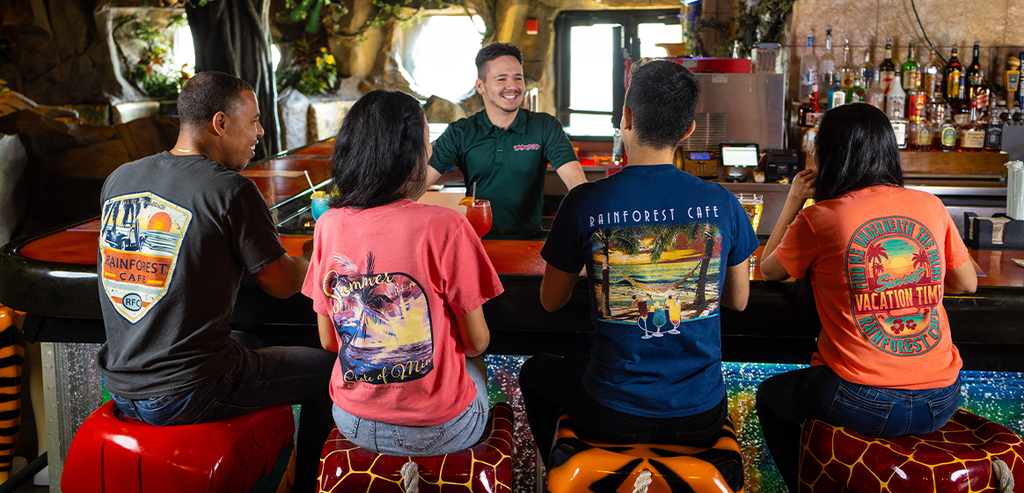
656	243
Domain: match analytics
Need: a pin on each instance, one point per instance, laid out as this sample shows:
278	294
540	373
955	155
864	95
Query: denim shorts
459	433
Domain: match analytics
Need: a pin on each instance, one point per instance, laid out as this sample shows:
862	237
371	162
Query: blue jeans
784	401
459	433
262	378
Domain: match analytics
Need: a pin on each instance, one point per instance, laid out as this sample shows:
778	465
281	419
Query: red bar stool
959	457
113	453
485	467
588	465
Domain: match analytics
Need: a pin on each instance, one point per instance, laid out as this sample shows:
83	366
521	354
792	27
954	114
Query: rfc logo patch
140	235
526	147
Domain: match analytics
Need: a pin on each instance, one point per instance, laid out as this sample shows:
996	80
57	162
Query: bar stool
485	467
970	453
578	465
114	453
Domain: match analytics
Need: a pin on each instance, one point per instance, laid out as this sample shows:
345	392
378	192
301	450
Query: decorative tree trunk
233	36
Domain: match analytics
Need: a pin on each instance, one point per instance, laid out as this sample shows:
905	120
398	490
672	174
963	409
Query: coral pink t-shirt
877	258
392	280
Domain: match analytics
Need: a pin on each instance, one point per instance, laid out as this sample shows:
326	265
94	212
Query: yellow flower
323	50
319	61
330	59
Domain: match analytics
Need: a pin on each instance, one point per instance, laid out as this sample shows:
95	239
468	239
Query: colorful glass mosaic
998	396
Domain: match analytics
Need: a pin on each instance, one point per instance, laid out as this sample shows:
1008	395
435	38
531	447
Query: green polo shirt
508	165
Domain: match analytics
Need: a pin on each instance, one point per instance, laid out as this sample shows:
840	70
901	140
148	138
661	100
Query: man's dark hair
492	51
205	94
379	153
662	98
856	149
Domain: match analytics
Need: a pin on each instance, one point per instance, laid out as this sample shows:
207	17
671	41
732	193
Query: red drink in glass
479	215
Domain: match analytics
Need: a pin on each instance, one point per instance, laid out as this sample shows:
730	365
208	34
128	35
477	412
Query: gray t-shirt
176	234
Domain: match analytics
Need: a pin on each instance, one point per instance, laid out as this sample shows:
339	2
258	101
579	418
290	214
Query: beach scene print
895	278
140	235
382	320
657	277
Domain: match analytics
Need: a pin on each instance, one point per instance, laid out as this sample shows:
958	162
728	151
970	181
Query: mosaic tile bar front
997	396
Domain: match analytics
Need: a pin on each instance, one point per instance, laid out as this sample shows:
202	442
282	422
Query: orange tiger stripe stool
485	467
114	453
586	465
959	457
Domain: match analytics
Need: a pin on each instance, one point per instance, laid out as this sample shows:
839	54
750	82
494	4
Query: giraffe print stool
588	465
485	467
959	457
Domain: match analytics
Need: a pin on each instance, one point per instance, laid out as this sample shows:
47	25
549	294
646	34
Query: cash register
738	160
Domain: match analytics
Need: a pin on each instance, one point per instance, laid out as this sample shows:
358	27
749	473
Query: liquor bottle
899	124
916	102
953	82
972	135
867	70
919	135
876	95
846	70
887	68
909	73
809	112
836	94
827	64
994	128
945	129
808	69
974	77
931	76
856	93
896	99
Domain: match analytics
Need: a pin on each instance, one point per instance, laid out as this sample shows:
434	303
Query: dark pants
784	401
262	378
552	385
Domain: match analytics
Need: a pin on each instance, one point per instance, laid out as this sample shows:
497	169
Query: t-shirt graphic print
657	276
383	323
895	277
140	237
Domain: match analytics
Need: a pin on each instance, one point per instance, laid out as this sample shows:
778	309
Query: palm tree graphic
874	255
619	239
921	259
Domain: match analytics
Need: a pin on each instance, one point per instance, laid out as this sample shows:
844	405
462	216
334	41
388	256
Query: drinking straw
474	191
311	187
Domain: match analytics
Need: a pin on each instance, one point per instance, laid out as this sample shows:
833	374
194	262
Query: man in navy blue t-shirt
663	251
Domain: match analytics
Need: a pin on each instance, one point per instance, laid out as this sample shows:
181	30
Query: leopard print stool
588	465
959	457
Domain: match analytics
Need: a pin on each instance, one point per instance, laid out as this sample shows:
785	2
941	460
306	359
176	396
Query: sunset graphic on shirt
382	321
895	276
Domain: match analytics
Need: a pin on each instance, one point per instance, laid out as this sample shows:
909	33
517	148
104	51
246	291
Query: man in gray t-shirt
178	231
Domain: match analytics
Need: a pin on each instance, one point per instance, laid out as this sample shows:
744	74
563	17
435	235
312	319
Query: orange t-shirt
877	258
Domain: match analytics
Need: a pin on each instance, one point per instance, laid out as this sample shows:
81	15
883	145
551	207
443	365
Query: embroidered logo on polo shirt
526	147
140	236
895	279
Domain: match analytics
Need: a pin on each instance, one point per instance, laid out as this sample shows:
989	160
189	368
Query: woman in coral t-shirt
398	289
880	257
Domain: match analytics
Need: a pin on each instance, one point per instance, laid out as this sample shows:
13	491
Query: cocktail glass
752	203
318	204
479	214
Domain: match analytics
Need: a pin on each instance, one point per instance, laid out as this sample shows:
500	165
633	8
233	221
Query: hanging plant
313	70
760	21
147	63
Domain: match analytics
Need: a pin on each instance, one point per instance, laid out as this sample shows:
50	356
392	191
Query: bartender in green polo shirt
505	149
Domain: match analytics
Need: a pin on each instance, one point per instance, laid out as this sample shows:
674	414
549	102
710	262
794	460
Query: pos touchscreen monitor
735	157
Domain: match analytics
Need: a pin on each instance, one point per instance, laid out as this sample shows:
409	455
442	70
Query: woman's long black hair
379	153
856	149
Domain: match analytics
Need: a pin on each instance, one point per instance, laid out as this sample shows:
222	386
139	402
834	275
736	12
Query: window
590	76
438	53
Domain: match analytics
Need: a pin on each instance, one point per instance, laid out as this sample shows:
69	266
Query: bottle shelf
954	164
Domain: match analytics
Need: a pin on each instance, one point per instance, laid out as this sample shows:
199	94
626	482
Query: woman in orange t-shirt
880	257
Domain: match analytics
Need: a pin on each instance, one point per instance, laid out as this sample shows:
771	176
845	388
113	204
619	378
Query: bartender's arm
571	174
284	276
